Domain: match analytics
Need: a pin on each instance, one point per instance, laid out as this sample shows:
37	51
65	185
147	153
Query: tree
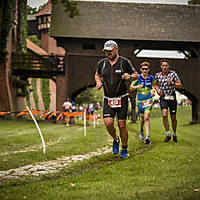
31	10
7	16
90	95
70	6
7	12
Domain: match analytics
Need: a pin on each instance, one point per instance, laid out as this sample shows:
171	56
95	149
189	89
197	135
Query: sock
141	131
168	133
124	147
117	139
174	134
147	136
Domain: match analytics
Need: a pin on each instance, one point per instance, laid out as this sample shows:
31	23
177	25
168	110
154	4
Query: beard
112	56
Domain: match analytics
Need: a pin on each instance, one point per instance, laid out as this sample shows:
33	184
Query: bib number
169	97
146	103
114	102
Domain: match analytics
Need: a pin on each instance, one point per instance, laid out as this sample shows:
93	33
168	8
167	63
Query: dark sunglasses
107	51
143	69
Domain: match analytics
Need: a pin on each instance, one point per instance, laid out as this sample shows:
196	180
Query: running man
166	82
112	73
67	105
144	98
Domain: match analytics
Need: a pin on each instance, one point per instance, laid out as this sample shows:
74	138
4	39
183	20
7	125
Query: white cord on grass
43	144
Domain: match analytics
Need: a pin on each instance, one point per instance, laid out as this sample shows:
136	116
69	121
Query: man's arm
156	87
98	81
129	71
135	87
134	76
130	77
178	84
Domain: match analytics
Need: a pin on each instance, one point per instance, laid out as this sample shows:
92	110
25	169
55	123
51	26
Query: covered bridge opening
139	26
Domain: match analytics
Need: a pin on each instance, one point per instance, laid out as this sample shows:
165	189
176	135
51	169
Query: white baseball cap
109	45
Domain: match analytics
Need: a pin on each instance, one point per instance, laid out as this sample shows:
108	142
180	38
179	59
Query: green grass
156	171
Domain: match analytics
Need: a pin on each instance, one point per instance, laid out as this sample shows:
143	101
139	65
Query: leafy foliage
31	10
34	86
7	11
34	39
90	95
22	26
70	6
45	93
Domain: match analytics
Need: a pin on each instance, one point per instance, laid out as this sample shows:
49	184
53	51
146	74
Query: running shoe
147	140
124	153
175	138
116	146
141	135
168	138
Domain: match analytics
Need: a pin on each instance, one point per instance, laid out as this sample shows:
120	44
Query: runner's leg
123	132
174	122
147	122
109	123
165	119
142	122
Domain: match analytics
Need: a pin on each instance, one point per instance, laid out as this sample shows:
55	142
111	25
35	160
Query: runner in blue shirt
144	98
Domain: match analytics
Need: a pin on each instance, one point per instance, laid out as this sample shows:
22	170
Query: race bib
169	97
146	103
114	102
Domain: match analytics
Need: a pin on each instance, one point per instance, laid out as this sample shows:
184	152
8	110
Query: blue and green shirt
145	92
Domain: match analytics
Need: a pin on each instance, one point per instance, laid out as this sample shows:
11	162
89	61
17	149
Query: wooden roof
46	10
128	21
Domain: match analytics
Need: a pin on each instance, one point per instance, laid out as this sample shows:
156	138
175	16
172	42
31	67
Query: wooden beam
186	54
195	51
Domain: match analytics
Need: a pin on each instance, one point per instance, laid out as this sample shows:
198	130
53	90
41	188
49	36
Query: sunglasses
144	69
107	51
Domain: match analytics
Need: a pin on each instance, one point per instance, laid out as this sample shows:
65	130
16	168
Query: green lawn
156	171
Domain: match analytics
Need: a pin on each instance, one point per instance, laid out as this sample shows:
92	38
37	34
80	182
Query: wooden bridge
37	66
134	26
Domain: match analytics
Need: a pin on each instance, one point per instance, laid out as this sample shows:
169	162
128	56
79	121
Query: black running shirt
113	84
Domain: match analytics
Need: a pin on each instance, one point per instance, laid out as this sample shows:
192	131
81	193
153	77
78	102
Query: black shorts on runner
111	112
171	104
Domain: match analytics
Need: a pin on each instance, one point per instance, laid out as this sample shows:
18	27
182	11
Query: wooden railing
28	65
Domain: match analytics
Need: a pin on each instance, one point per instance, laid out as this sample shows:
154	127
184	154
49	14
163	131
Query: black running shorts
111	112
171	104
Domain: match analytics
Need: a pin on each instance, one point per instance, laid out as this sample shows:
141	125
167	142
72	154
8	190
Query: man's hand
170	81
156	87
153	93
160	93
126	76
99	85
140	86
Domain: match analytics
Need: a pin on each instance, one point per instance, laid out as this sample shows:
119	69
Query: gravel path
49	166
